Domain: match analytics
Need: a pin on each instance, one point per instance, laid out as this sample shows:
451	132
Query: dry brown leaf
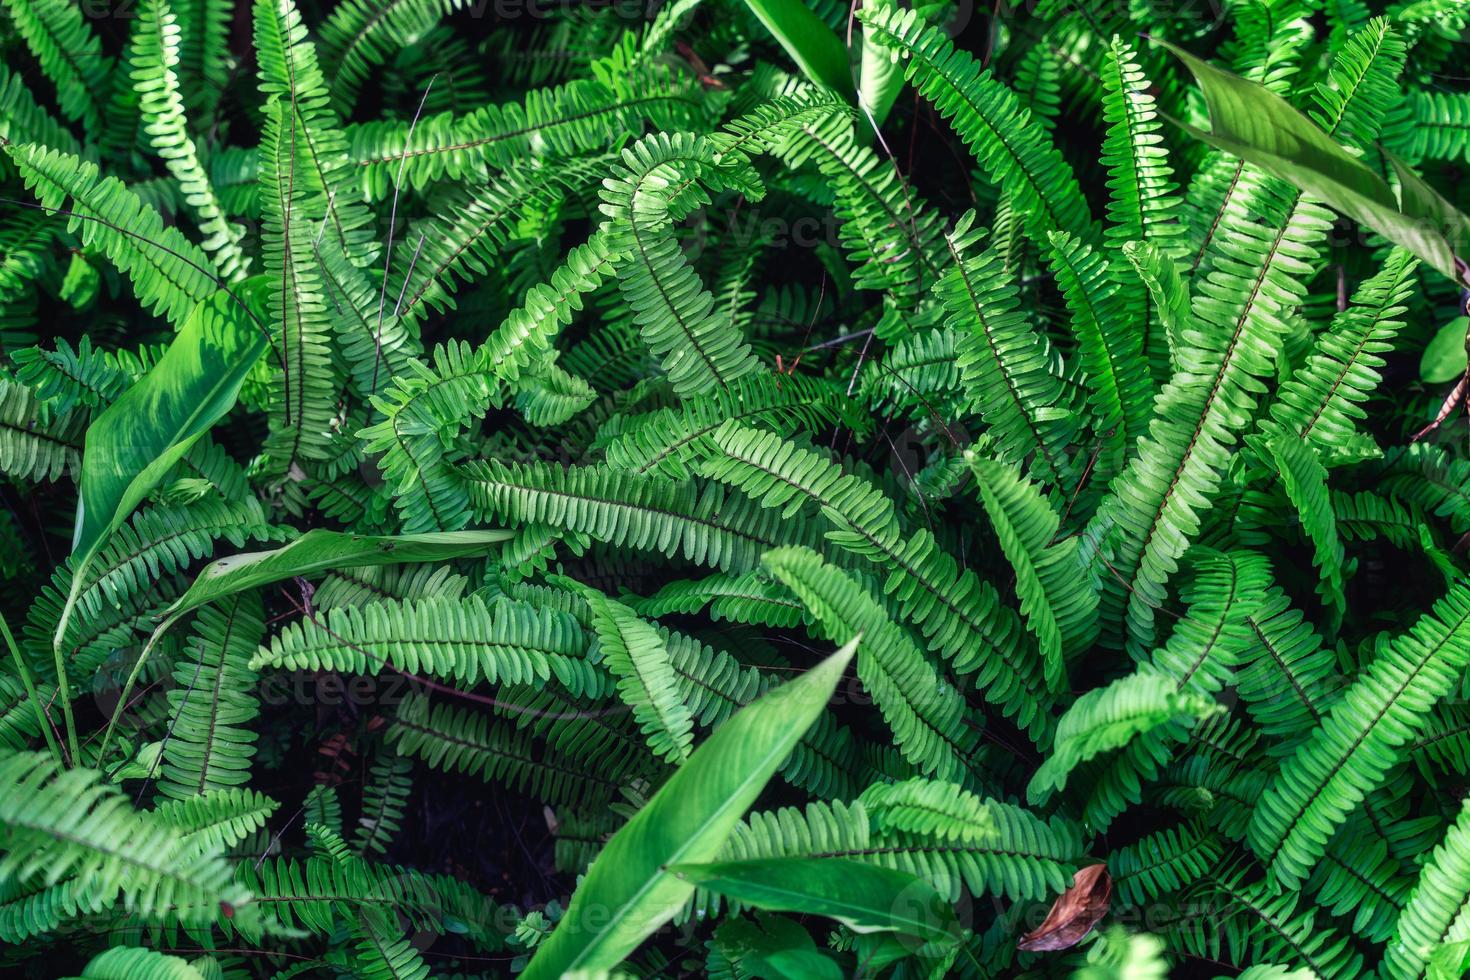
1074	913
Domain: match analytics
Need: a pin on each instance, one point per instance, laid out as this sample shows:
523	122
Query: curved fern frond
581	116
1012	374
1321	402
455	740
1012	149
1108	718
658	182
1435	913
709	526
37	443
1154	508
70	54
170	275
155	57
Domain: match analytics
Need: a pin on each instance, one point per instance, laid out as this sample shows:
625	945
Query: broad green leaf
315	551
818	52
132	445
322	550
863	897
1257	125
1449	961
773	947
880	76
628	892
1444	358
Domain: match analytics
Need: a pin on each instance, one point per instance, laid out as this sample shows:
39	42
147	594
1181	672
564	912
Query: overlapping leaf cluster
565	447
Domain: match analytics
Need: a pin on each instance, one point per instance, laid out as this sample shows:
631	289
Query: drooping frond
581	116
706	525
70	53
70	825
155	58
457	740
1143	202
1305	480
1321	402
1108	718
1154	508
638	657
1012	374
1435	913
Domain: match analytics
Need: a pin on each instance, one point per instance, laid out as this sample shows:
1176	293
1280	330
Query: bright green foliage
442	445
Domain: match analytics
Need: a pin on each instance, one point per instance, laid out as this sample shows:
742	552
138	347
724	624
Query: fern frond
1010	147
170	275
463	640
1321	402
709	526
384	796
657	183
1167	861
208	746
36	443
1435	912
1056	597
70	54
155	56
1109	718
67	824
289	72
582	116
1012	374
219	818
1154	508
1305	481
1363	734
359	36
959	615
297	300
668	442
455	740
925	713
